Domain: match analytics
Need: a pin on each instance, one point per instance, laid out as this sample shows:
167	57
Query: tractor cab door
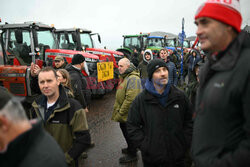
17	46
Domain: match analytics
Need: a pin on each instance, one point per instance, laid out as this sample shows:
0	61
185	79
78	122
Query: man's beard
159	85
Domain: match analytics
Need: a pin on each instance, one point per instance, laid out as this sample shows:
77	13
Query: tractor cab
23	43
155	43
132	42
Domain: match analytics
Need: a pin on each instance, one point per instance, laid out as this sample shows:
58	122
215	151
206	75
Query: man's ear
57	81
4	123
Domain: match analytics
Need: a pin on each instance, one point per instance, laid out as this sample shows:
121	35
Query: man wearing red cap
221	135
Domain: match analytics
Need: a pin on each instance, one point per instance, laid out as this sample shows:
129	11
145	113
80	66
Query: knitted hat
154	65
5	97
58	58
77	59
224	11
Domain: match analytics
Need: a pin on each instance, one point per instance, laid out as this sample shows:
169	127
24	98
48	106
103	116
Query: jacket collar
71	67
173	95
61	101
129	71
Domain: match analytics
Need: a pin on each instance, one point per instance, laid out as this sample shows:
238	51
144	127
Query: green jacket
129	87
67	124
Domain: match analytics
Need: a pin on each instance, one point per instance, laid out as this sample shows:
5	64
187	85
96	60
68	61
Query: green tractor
132	42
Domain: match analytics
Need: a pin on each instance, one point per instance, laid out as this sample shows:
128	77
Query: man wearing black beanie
160	120
78	81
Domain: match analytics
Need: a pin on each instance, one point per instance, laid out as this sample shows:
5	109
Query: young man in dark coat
172	75
160	120
79	83
222	124
25	143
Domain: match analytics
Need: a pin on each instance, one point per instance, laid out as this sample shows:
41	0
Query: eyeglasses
57	61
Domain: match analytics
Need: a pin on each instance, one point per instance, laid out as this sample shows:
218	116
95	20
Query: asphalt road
106	135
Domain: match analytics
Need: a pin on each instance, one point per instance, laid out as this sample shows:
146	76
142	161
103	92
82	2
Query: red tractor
29	42
80	39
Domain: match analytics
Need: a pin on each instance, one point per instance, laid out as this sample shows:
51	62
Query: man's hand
34	69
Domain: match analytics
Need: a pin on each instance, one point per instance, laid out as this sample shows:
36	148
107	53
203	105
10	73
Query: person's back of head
13	119
77	59
11	107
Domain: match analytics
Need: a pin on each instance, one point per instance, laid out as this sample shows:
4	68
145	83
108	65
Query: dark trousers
131	148
177	164
146	164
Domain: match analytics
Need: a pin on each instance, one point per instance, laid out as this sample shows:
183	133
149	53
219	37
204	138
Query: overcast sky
110	18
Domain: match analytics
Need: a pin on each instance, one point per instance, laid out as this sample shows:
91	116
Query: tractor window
127	42
155	42
66	41
132	42
46	38
170	43
144	41
186	44
86	40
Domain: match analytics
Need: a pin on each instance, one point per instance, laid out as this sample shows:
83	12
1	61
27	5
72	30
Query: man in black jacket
160	120
222	124
24	143
79	84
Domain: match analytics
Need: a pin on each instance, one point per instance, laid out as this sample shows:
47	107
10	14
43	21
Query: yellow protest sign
105	71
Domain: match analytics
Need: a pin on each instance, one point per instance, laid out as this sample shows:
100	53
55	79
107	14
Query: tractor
80	39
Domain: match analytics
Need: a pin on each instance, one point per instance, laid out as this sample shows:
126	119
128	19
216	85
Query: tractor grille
17	88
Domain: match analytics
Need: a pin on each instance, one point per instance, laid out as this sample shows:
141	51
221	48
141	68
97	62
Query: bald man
128	88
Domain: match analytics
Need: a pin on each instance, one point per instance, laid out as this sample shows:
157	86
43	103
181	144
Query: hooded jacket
67	123
143	65
128	88
162	132
222	124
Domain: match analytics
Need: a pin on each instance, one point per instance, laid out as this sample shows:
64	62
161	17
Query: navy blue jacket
172	75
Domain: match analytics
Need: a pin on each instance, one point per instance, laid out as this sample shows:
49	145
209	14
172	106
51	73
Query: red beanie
226	11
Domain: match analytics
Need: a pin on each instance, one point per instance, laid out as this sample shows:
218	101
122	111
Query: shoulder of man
74	104
177	92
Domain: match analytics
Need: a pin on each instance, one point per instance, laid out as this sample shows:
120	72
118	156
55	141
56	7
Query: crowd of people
178	110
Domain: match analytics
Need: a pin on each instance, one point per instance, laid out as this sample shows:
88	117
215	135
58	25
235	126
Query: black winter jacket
34	147
221	135
162	134
79	85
